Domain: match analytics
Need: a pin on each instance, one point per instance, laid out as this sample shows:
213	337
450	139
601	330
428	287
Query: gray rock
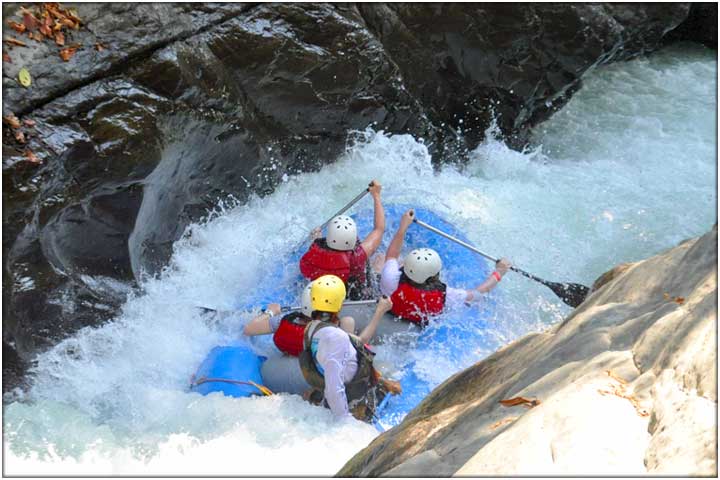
626	386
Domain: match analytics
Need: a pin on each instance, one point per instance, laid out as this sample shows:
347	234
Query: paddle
572	294
286	309
350	204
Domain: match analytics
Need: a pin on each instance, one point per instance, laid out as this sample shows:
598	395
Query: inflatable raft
242	368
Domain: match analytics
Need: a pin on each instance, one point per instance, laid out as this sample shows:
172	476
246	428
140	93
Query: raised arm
397	242
384	305
371	243
501	268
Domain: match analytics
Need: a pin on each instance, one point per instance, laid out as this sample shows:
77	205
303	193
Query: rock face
517	62
627	386
701	26
142	137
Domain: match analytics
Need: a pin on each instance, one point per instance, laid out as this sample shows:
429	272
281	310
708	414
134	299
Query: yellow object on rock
24	77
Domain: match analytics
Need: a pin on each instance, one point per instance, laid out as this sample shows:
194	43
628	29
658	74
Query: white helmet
341	233
306	301
421	264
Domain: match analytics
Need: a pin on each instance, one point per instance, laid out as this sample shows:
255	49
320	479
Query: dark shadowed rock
516	62
701	26
127	31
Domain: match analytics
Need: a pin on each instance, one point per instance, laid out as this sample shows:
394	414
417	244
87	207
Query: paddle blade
572	294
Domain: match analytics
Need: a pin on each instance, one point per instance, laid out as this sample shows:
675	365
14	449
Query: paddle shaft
286	309
470	247
347	207
349	303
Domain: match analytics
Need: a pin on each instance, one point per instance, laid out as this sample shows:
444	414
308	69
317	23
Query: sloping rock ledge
627	385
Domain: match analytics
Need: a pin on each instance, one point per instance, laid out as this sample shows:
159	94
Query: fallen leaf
46	30
666	296
67	53
14	41
621	391
51	9
502	422
679	300
28	122
18	27
57	26
60	39
32	157
6	57
69	23
11	120
72	13
615	377
29	20
19	136
99	47
24	77
527	402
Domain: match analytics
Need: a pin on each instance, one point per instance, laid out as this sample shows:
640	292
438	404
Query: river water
625	170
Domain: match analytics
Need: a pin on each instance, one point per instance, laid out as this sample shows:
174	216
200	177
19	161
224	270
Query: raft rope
263	389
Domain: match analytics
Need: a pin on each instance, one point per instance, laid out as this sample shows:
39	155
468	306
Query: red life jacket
415	302
322	260
288	337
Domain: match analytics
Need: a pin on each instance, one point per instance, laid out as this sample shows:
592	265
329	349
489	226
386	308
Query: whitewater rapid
625	170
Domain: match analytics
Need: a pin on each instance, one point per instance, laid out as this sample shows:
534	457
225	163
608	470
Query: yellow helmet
327	294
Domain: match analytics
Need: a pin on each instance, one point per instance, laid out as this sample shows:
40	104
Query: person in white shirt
415	288
337	363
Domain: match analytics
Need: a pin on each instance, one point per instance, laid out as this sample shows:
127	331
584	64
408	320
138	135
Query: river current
625	170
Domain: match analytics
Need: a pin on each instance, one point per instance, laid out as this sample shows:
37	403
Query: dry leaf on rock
32	158
679	300
46	27
72	13
11	120
69	23
28	122
18	27
615	377
6	58
502	422
60	39
14	41
29	21
526	402
67	53
24	77
99	47
19	136
621	391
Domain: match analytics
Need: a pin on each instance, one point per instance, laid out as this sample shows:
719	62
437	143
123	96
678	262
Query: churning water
627	169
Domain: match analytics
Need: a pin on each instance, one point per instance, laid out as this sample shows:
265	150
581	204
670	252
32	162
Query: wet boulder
514	63
141	149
